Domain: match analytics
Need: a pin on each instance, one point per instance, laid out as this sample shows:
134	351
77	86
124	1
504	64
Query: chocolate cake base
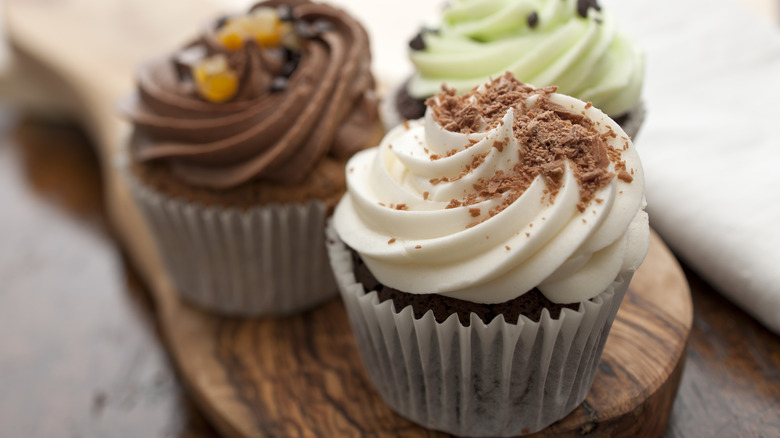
409	107
530	304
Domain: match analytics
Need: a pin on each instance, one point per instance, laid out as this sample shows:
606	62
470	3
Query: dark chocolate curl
533	19
584	5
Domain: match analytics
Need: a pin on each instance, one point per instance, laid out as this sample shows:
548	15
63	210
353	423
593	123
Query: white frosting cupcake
492	195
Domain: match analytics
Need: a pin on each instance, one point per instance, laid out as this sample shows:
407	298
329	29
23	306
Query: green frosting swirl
586	57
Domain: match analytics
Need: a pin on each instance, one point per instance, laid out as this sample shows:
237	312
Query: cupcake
572	44
237	153
483	252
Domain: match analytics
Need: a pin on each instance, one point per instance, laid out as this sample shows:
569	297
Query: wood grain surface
80	352
302	375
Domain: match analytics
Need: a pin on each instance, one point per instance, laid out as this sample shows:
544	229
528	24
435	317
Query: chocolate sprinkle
417	43
183	72
185	59
303	29
548	136
221	21
279	84
584	5
285	13
322	26
291	63
533	19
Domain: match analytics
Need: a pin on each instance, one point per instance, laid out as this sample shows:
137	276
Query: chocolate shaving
625	176
500	144
548	135
449	153
459	114
453	204
285	13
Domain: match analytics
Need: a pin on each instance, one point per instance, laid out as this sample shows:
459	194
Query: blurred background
80	353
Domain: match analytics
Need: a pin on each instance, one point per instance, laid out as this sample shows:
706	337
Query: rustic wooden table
80	354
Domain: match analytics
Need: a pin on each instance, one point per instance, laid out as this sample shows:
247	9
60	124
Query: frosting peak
496	192
301	89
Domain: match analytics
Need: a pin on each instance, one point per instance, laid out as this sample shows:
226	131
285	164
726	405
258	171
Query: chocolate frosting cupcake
297	101
238	149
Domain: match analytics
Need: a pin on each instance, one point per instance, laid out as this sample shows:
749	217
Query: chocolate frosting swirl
328	106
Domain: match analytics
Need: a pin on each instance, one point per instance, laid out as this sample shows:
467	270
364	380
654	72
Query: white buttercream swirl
395	216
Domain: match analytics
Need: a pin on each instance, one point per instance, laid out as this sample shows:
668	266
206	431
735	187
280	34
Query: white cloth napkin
711	144
711	141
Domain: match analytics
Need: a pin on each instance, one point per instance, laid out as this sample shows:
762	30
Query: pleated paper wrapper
498	379
267	260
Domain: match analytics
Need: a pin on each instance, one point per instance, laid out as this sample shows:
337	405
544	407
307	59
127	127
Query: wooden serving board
302	375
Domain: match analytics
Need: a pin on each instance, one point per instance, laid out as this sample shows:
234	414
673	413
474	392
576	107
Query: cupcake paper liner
634	120
495	379
267	260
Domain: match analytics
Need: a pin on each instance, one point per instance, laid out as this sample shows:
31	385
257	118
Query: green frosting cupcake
569	43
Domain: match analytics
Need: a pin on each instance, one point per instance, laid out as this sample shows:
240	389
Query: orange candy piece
262	24
214	80
265	26
232	41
